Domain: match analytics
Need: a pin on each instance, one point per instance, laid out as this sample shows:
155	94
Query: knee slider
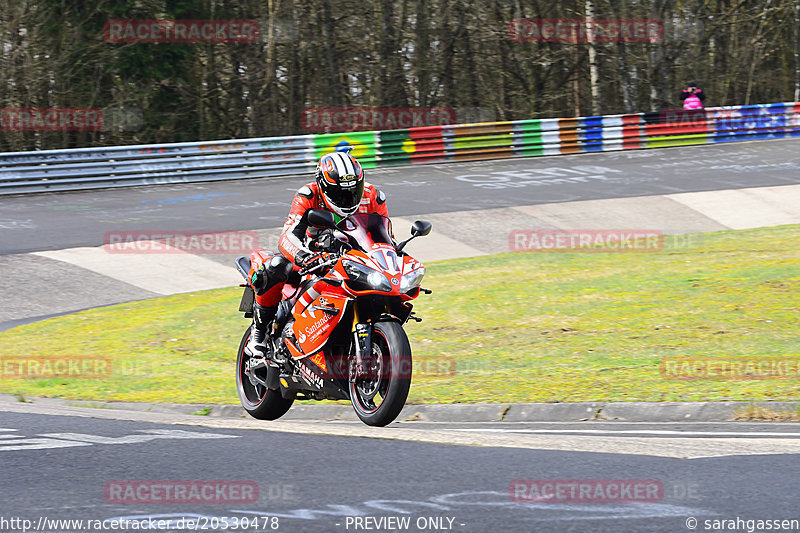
276	271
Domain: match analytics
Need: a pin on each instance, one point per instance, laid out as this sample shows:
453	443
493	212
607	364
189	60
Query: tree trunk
332	78
576	82
422	52
797	52
594	75
448	52
626	85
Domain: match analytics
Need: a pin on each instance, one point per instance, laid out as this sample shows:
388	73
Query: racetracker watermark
681	118
181	31
174	242
325	119
586	490
341	367
50	119
438	366
181	492
586	240
32	367
746	368
571	31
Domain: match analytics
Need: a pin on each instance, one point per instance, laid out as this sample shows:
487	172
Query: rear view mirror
420	228
321	218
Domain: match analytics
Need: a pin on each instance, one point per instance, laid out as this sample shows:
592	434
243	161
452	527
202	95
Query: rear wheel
251	382
379	396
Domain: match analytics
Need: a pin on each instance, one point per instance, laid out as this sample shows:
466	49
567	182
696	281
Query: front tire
380	396
258	400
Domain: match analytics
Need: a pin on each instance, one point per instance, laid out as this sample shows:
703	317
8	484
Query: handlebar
329	241
325	264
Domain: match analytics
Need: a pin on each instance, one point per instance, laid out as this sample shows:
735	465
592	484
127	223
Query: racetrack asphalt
66	464
82	218
61	461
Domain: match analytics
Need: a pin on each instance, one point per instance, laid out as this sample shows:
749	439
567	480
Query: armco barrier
123	166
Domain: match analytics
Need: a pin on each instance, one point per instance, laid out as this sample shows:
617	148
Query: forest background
471	57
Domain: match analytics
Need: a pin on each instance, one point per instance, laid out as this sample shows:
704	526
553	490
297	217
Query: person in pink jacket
692	97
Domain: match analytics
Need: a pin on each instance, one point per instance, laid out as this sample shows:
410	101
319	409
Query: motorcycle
340	335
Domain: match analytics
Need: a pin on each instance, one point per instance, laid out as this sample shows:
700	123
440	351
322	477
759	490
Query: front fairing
370	234
384	260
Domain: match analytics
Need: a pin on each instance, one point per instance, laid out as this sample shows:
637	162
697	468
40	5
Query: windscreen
364	229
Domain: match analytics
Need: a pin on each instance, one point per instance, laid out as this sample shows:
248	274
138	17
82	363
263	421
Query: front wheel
379	396
251	382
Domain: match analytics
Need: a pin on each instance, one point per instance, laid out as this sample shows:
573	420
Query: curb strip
500	412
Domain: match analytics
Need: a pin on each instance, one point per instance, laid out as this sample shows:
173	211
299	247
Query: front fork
362	339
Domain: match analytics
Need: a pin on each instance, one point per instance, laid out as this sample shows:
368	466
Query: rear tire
390	381
258	400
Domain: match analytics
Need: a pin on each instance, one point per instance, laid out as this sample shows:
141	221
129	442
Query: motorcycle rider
338	187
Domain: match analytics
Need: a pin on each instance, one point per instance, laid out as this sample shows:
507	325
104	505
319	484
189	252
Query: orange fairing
312	326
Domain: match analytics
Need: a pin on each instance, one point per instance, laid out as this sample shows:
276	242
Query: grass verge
519	327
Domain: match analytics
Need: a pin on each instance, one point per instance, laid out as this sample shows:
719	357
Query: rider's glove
306	260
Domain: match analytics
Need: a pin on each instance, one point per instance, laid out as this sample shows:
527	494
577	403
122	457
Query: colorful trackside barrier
124	166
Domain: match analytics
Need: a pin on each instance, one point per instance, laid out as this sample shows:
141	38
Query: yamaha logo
394	281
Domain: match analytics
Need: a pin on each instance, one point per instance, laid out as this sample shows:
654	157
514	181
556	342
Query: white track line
161	273
672	433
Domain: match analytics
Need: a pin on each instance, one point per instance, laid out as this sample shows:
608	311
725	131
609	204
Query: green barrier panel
677	140
468	143
395	148
529	144
528	126
363	142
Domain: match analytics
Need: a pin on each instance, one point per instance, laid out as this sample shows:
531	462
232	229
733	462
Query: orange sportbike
340	335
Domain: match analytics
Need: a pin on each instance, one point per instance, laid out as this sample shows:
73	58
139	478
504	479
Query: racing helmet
340	178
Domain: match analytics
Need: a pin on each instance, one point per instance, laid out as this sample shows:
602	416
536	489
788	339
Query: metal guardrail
125	166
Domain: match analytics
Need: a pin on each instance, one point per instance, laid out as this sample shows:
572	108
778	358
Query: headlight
365	278
412	280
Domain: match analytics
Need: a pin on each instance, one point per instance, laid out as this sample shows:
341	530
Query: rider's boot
262	316
268	282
